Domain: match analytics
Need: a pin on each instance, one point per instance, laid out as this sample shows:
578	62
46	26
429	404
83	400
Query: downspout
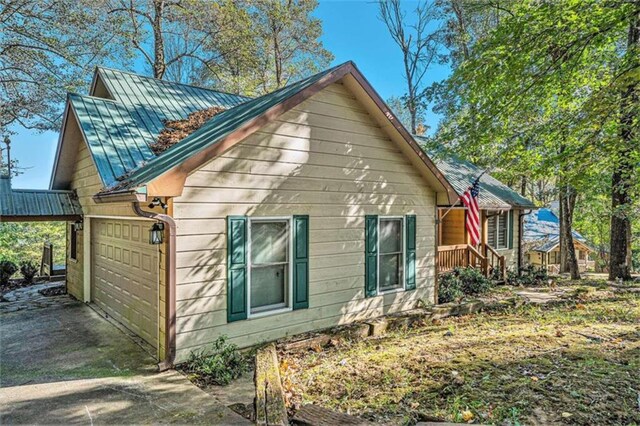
520	235
170	286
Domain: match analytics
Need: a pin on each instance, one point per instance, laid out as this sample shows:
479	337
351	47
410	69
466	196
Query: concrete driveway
66	364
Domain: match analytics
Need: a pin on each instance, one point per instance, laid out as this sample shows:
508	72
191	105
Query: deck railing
464	255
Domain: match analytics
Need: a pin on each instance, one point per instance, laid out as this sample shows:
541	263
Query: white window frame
289	304
404	254
508	236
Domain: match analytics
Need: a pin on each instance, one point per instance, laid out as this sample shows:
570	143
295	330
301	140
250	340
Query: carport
28	205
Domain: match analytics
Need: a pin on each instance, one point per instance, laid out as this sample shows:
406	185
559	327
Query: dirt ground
575	362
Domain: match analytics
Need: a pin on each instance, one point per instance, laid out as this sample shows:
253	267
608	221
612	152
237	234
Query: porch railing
464	255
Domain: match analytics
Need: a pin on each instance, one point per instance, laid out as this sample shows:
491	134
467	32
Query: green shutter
511	229
410	252
371	256
300	262
236	268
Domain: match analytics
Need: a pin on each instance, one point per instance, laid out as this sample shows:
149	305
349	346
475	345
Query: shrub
529	276
462	282
449	288
28	271
7	269
473	282
219	365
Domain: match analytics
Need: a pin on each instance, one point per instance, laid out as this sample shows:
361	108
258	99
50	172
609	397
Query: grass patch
576	363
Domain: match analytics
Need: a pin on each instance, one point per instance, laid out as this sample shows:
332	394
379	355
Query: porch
455	250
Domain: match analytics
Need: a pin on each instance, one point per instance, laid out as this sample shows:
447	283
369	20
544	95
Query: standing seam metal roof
215	129
120	131
461	174
31	204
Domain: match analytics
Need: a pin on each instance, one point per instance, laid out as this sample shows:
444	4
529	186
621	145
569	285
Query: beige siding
326	158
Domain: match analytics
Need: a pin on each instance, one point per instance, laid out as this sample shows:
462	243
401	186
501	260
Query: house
302	209
541	240
501	213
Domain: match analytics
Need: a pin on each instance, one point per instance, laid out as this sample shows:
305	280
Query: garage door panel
125	275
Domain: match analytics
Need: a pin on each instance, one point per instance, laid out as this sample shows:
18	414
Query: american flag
470	200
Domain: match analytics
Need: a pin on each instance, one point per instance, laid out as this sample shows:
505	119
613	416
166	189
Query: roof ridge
98	98
173	82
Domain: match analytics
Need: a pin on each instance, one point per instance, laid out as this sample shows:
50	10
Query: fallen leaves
176	130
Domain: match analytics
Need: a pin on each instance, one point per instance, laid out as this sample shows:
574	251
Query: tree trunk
621	202
159	65
568	259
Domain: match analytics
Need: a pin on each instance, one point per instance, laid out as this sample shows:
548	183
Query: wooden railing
464	255
495	261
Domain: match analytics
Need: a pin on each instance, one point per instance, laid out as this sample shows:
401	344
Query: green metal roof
218	127
461	174
31	204
119	131
158	100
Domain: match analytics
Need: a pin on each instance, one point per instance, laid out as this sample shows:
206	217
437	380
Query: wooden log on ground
270	402
314	415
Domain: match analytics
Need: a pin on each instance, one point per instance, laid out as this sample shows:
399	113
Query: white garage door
125	274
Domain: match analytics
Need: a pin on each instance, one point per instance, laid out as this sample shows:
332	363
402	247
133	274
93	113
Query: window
498	230
390	254
73	243
269	265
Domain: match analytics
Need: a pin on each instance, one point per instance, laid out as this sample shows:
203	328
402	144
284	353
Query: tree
419	44
274	43
399	108
47	48
537	92
626	156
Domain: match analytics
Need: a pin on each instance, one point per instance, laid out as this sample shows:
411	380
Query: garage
124	280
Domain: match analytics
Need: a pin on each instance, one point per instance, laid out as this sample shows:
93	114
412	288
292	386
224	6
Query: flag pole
456	203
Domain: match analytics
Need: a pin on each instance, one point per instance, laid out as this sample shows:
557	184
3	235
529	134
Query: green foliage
46	49
529	276
462	282
449	288
218	365
22	241
28	271
7	269
264	45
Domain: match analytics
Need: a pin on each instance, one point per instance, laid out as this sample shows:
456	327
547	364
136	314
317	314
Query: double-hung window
269	265
498	230
390	254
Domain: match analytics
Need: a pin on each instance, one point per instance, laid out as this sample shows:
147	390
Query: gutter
170	286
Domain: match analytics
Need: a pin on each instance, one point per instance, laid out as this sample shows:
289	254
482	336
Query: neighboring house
501	213
303	209
542	242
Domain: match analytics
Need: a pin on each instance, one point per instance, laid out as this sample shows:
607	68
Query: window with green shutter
268	265
390	254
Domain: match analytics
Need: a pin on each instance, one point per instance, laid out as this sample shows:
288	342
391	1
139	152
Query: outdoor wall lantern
78	225
156	233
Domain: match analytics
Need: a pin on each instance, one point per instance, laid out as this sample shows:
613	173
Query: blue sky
352	31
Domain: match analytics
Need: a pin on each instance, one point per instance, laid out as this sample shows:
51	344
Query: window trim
289	303
508	226
403	246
